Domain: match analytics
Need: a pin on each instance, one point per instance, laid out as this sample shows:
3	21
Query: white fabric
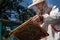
49	19
50	37
57	36
35	2
55	14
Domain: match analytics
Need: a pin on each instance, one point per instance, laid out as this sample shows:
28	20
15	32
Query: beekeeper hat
35	2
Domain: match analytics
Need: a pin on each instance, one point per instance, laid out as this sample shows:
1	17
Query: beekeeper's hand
12	33
38	20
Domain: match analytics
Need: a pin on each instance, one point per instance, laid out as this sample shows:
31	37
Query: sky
53	2
26	3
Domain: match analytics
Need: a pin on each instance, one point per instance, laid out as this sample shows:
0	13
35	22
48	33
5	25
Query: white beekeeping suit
53	18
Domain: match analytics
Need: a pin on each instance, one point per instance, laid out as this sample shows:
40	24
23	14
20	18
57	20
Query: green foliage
25	14
7	6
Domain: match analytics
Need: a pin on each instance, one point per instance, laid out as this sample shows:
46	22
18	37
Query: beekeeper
40	7
50	15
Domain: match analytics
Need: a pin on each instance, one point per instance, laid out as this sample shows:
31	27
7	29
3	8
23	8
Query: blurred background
15	12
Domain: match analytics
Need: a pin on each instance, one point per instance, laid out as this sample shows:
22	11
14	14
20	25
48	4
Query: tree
11	9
